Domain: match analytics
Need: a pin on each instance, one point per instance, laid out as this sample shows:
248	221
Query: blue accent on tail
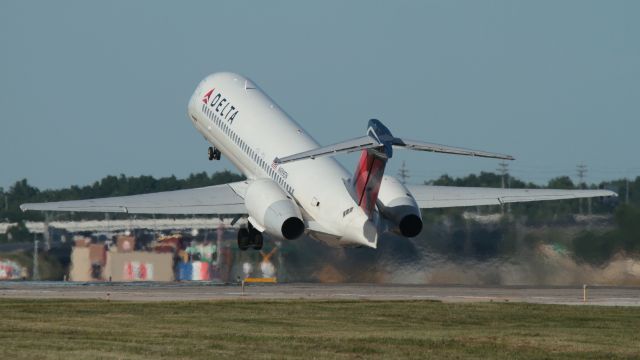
378	131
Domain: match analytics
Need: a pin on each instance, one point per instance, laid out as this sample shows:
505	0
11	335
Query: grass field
62	329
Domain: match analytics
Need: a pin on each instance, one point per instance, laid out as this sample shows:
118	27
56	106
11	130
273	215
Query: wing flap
429	197
217	199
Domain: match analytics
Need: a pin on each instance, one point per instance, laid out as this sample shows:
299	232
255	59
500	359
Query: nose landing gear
214	154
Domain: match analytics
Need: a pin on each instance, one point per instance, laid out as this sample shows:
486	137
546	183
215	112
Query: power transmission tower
503	170
581	170
626	195
403	173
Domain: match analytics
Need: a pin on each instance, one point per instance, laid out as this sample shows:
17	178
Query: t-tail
381	142
377	148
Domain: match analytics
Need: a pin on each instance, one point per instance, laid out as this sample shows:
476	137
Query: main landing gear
214	154
250	237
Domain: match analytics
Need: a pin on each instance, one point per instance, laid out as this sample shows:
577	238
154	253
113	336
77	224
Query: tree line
22	192
446	231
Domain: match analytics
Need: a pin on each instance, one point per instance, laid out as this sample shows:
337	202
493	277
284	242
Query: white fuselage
251	130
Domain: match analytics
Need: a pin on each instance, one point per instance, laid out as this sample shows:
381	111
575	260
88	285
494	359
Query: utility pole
626	195
36	272
503	170
581	170
403	173
219	244
46	233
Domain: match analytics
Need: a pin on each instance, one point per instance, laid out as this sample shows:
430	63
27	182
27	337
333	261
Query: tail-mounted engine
398	206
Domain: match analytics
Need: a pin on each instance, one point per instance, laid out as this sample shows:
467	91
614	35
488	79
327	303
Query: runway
596	295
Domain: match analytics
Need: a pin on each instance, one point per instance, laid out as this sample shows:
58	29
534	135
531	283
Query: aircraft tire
257	240
211	152
243	239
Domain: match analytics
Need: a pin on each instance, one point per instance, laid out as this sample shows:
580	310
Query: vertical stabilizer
368	175
367	178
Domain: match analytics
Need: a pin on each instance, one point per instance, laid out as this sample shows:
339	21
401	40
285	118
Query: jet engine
273	209
398	206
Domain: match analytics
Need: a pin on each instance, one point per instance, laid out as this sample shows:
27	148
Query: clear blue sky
92	88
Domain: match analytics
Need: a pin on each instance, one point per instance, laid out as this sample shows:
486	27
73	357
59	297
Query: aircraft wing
429	197
217	199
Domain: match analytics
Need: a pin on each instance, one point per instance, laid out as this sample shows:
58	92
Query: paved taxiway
597	295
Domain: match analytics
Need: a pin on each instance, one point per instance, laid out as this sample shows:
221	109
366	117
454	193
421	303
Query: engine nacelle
398	205
270	206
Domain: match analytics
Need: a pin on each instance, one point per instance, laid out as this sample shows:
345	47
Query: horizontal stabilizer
361	143
368	142
425	146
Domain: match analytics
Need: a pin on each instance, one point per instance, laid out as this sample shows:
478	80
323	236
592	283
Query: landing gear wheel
257	240
214	154
243	239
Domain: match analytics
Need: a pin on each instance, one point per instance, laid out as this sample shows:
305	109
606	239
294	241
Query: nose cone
361	232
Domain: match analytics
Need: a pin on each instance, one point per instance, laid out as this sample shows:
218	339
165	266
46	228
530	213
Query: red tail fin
367	178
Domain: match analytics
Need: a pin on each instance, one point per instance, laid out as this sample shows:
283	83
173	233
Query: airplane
294	186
